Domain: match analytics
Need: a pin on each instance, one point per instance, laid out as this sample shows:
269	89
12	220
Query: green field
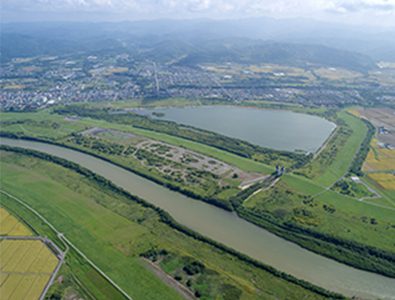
342	161
333	161
303	185
112	231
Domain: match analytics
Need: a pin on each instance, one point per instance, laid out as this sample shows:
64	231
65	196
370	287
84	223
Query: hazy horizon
379	13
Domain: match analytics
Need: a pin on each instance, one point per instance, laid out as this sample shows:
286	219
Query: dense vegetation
192	266
360	157
346	251
239	147
301	217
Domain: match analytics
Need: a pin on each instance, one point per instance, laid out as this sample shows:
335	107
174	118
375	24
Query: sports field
10	226
26	266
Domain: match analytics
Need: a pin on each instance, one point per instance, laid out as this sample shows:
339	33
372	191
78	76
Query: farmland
10	226
105	219
26	267
381	117
380	159
384	181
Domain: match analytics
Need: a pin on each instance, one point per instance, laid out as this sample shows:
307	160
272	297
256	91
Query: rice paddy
380	159
384	180
10	226
354	112
26	267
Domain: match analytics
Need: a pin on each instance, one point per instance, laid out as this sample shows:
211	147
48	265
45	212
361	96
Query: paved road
66	241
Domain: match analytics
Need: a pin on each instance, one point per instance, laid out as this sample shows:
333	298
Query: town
31	83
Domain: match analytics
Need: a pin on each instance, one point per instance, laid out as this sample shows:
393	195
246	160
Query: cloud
224	6
150	9
355	6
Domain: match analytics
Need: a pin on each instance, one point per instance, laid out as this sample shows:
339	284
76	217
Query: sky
360	12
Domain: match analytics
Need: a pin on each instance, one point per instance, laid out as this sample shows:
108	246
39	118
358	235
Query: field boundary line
64	239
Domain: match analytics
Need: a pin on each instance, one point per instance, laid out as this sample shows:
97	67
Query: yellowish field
116	70
336	73
3	214
20	230
385	162
14	87
26	267
26	287
386	180
7	224
10	226
374	141
3	277
354	112
38	287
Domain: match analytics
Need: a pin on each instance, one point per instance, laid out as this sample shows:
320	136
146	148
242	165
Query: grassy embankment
113	229
333	161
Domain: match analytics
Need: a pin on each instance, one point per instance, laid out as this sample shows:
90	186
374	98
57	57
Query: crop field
380	159
385	180
354	112
336	73
26	267
381	117
10	226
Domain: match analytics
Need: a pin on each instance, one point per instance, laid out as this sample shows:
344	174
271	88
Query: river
233	231
281	130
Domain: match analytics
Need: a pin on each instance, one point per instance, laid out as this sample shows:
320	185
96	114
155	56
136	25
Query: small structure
356	179
280	171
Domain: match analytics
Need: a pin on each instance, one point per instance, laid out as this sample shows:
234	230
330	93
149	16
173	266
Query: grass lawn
357	216
302	185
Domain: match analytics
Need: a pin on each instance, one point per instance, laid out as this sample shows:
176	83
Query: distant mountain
15	45
292	42
283	54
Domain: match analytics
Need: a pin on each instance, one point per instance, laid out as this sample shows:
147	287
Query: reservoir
234	231
281	130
